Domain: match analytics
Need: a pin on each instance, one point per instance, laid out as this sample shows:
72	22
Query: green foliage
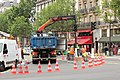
16	19
57	8
115	6
112	5
20	27
3	22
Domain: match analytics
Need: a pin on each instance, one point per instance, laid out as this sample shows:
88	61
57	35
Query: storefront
114	44
84	38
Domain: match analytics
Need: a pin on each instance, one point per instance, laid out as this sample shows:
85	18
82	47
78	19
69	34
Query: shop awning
84	41
81	41
106	39
71	42
84	30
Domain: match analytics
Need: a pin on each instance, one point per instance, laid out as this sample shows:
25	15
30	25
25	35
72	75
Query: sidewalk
113	56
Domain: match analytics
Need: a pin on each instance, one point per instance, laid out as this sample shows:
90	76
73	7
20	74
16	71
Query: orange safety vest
71	50
83	50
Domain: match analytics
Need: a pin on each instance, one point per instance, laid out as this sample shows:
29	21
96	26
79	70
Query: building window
90	4
37	7
85	4
111	32
117	31
84	34
79	7
97	3
85	21
90	18
104	33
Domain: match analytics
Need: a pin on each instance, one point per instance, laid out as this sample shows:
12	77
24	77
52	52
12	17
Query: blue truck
43	48
44	45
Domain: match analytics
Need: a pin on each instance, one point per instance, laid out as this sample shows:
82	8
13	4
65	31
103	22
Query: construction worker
84	53
72	52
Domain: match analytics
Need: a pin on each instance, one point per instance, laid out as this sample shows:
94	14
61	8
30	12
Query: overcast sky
8	0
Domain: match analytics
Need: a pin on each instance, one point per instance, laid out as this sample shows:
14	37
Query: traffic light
75	27
93	25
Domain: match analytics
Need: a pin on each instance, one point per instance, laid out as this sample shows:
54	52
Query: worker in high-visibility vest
72	52
84	53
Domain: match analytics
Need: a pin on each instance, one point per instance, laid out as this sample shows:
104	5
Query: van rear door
5	52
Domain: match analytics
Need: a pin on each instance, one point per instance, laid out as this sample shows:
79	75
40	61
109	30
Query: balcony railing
88	24
92	9
83	11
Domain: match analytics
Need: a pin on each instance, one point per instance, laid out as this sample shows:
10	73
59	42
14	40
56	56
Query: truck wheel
34	61
2	66
53	61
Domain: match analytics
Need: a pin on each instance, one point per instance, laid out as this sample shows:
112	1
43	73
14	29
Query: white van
8	53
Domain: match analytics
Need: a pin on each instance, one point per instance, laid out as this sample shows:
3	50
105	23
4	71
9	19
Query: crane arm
53	20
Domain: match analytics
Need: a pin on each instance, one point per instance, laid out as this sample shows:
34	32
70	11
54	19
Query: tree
3	22
57	8
112	9
114	4
23	12
20	27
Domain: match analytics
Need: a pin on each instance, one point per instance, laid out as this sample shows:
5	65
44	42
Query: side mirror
5	51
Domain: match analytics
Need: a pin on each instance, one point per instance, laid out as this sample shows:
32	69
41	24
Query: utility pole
75	29
110	39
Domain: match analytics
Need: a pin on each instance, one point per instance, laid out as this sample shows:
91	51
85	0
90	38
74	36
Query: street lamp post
110	38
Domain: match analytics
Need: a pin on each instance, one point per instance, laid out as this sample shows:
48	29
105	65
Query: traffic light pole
75	30
75	44
93	24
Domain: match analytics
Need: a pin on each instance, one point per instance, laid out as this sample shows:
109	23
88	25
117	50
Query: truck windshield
1	45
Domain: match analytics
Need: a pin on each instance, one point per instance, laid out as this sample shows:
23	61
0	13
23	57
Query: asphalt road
109	71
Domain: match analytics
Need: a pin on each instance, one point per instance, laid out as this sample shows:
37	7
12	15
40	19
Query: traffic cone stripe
26	69
20	69
90	63
75	65
39	68
49	67
57	66
13	69
62	56
83	64
103	60
95	62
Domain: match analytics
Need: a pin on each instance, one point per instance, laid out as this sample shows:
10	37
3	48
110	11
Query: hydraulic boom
53	20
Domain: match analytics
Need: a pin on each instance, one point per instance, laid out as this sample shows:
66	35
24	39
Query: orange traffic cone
13	69
90	63
57	66
26	68
83	64
20	71
99	60
75	65
62	56
49	67
95	62
39	68
103	60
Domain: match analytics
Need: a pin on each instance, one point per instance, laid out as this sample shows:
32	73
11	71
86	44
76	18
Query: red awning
85	41
88	30
71	42
81	41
